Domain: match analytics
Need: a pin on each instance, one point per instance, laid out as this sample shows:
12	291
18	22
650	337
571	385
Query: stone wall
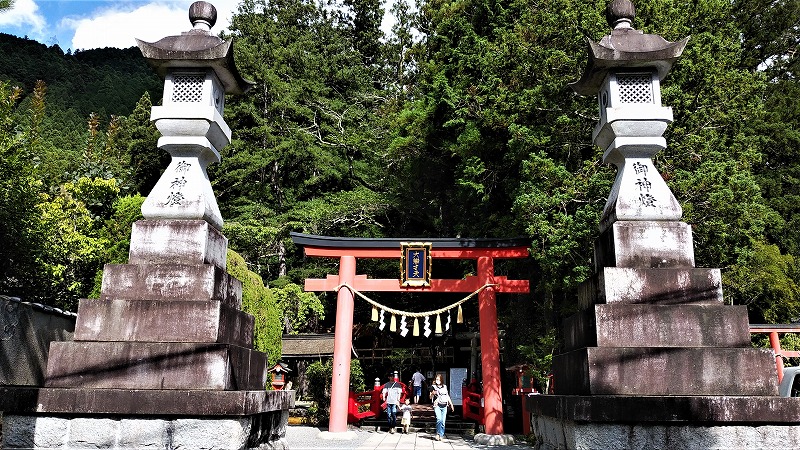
26	331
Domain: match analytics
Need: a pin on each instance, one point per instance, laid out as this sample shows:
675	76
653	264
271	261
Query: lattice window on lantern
635	88
188	88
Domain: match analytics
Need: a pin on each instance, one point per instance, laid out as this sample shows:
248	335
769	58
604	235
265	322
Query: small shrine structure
416	257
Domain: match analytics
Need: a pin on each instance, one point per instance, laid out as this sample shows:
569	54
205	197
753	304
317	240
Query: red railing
774	341
472	405
371	398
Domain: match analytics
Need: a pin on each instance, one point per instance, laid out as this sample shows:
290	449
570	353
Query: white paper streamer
447	325
382	321
403	327
427	326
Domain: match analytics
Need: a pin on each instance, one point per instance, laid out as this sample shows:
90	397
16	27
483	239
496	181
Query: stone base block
169	365
163	321
261	431
617	325
674	409
652	287
179	282
174	402
665	371
645	244
190	242
554	434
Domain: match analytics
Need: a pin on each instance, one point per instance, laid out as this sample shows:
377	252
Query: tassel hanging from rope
460	316
416	326
438	324
375	313
393	324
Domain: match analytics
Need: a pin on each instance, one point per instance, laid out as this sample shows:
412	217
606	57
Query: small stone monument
164	358
654	359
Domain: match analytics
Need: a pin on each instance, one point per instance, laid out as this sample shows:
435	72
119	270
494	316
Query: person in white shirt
417	379
391	393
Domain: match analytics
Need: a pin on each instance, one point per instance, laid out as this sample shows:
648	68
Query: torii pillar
482	250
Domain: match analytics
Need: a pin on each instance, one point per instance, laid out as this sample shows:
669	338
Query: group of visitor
392	392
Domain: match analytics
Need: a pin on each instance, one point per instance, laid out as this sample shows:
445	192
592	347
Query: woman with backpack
441	400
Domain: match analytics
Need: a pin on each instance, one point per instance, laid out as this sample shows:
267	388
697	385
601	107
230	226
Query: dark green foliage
319	375
258	301
107	81
459	124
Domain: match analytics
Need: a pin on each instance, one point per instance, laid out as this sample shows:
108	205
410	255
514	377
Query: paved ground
306	438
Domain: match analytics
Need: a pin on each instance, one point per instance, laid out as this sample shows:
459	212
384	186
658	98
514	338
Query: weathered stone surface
146	401
189	242
560	434
619	325
665	371
693	409
144	365
645	244
92	433
25	335
652	286
259	431
178	282
163	321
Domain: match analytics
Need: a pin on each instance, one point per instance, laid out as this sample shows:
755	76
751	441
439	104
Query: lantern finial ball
620	13
203	15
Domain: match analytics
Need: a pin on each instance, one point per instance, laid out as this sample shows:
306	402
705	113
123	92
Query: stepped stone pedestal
164	358
654	358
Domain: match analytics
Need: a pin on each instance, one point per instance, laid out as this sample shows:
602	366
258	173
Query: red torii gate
482	250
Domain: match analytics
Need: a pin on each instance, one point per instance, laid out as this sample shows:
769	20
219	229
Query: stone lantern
198	70
653	358
165	357
625	70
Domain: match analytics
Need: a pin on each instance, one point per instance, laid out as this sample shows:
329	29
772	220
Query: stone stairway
424	420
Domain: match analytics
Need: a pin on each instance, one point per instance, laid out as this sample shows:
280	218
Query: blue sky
86	24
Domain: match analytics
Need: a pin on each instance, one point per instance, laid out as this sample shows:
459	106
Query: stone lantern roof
197	48
625	47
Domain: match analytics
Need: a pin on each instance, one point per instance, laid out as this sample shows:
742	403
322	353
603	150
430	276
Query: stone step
621	325
179	282
144	365
665	371
163	321
645	244
670	286
177	241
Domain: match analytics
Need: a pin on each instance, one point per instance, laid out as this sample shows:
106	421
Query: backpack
442	397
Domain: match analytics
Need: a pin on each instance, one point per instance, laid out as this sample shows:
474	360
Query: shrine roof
312	240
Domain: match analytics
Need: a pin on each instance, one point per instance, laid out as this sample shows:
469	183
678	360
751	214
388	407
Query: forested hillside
459	123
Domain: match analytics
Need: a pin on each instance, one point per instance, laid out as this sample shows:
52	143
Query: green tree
307	134
20	191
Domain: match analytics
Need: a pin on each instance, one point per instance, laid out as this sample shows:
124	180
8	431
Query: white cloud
24	13
121	26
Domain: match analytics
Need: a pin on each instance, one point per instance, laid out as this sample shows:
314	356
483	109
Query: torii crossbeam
482	250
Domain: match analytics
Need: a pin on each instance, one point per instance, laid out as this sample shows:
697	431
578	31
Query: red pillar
342	341
490	350
775	343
